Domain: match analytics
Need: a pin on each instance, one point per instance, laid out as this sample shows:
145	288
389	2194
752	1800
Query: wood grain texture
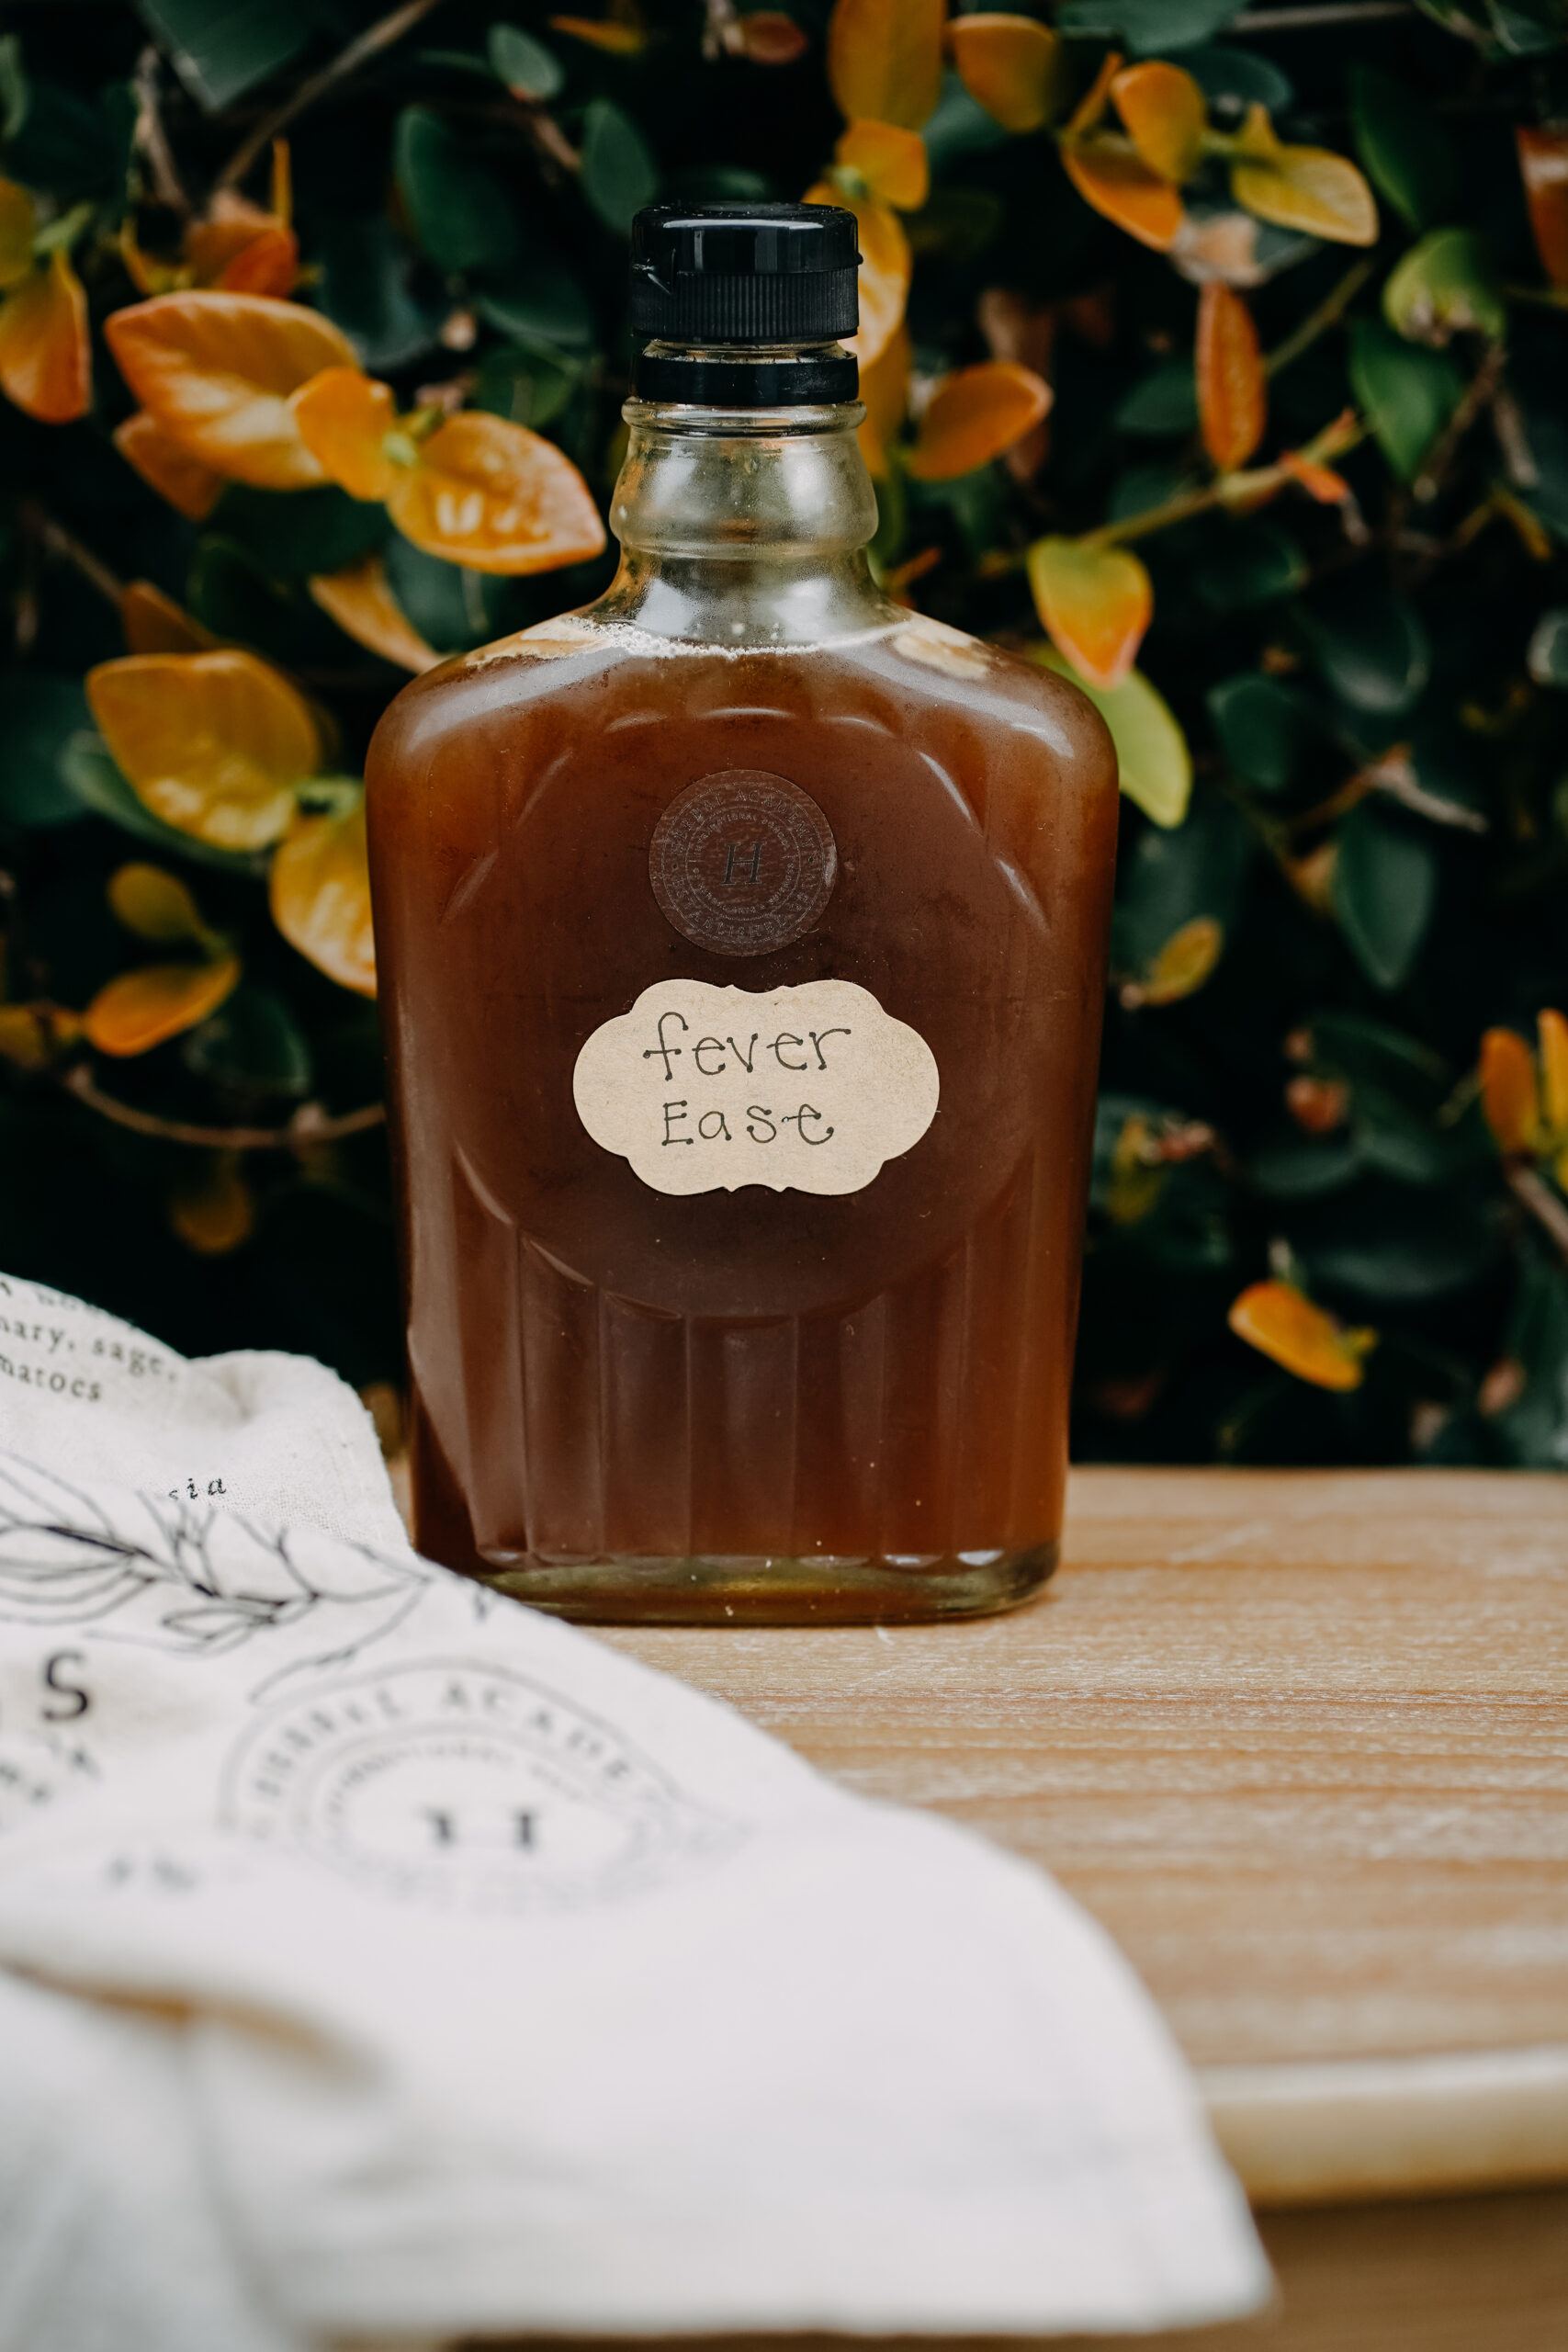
1299	1740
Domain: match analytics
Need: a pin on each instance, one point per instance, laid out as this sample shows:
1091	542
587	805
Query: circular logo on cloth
742	862
465	1786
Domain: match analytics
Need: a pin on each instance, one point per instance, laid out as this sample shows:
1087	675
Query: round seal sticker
742	862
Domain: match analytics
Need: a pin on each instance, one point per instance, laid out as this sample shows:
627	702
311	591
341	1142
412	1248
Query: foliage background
1371	687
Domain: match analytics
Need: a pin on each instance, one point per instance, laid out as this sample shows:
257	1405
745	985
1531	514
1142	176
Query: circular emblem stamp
465	1786
742	862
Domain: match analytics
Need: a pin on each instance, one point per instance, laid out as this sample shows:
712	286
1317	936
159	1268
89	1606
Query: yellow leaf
496	497
360	599
1182	966
1095	603
46	351
1152	758
974	415
154	623
168	467
155	905
884	60
1109	172
1014	66
345	416
891	161
1553	1031
216	371
143	1009
1232	399
1282	1323
216	1212
885	390
214	743
1509	1095
1308	188
1166	114
884	267
320	897
16	224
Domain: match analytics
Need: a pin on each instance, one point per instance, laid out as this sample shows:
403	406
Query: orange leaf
492	495
1166	114
616	40
166	466
1553	1031
365	608
891	161
1095	602
885	388
1509	1095
974	415
17	221
1281	1322
154	623
1012	66
217	1212
143	1009
1319	482
268	264
46	352
1543	167
884	60
769	38
1232	399
320	897
343	417
214	743
885	265
216	371
1109	173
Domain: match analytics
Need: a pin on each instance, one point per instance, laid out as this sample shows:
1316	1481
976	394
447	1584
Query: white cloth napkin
379	1958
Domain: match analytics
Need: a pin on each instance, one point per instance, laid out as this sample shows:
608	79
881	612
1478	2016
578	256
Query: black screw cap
744	272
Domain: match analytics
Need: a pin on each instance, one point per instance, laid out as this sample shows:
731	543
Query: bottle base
822	1590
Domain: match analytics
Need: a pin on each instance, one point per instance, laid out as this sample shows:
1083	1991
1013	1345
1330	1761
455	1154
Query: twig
1239	489
55	539
1480	394
1327	313
308	1127
1542	1202
151	139
370	43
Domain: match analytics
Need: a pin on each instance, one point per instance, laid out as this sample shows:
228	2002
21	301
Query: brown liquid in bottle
749	1405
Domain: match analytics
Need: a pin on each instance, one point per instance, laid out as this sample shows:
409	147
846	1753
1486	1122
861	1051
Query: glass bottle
742	946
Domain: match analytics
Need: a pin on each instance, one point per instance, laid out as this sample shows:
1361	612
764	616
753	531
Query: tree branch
1542	1202
308	1127
370	43
1327	313
151	139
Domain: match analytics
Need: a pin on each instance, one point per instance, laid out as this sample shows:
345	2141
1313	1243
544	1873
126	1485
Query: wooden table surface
1299	1740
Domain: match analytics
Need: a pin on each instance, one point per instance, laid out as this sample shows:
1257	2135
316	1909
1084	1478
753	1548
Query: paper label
804	1089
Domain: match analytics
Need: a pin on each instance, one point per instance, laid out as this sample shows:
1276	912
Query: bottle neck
744	526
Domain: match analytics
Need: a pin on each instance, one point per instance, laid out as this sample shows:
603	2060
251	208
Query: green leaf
1371	647
37	717
364	287
1265	729
528	69
1534	1429
1381	1059
1385	888
1151	750
1233	79
1166	401
529	387
1409	393
15	94
238	599
1383	1246
1249	559
1405	148
960	126
290	535
619	176
541	303
252	1044
1169	879
220	48
1289	1166
463	212
451	609
1445	286
95	782
1148	27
